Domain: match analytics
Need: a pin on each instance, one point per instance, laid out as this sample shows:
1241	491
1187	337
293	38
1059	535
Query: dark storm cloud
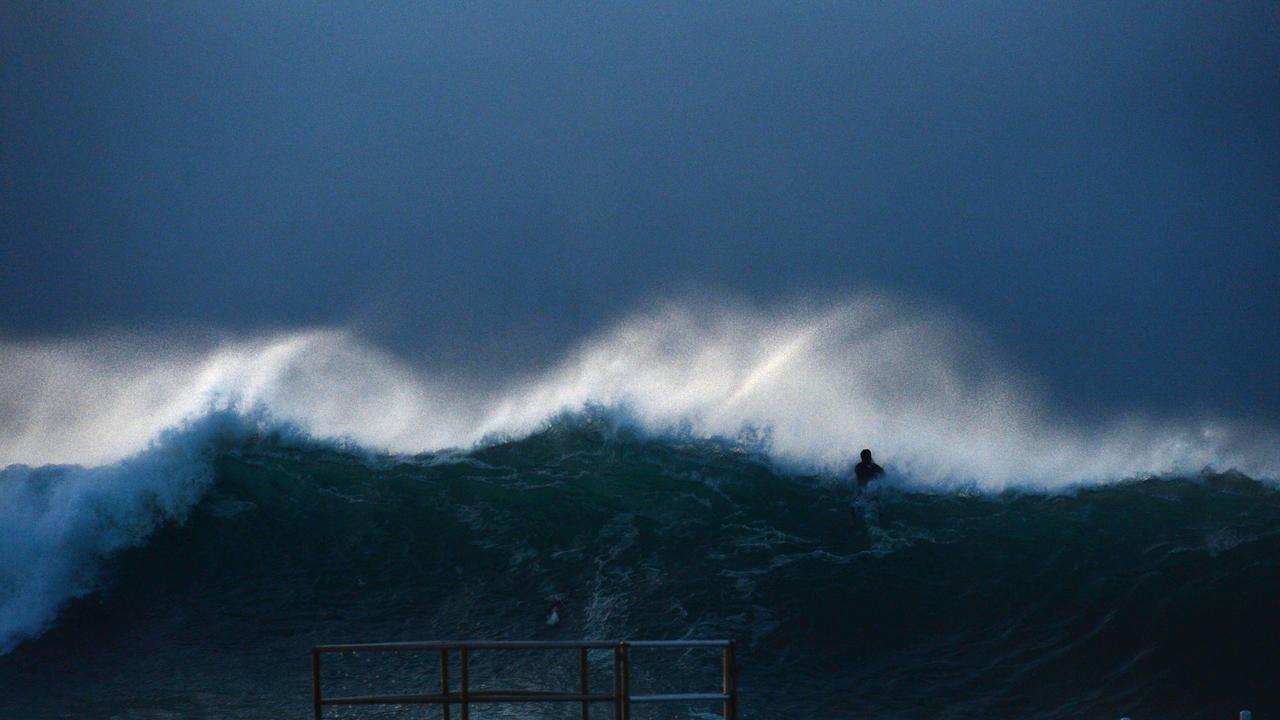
1096	184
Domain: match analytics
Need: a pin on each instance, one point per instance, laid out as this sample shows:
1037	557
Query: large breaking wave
105	440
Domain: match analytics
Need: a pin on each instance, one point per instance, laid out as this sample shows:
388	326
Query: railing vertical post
617	682
444	682
315	681
626	680
583	684
465	673
730	684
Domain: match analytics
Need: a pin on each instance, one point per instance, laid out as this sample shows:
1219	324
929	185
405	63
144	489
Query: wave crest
57	522
926	391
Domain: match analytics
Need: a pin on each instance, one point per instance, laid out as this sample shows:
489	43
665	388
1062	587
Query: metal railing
619	696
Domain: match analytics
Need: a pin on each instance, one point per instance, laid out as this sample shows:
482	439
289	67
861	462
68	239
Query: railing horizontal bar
389	700
470	645
678	697
488	696
677	643
514	645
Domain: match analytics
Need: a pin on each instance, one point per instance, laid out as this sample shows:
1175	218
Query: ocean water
179	526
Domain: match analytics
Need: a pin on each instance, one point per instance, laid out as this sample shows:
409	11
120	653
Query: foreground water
1152	598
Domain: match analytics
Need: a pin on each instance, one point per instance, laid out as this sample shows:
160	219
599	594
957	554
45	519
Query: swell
1151	595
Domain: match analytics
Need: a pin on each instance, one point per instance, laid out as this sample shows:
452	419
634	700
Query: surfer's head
866	455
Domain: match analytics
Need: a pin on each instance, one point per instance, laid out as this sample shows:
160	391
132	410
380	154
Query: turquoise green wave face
1147	597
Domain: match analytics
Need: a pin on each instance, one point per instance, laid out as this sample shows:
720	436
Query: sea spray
818	385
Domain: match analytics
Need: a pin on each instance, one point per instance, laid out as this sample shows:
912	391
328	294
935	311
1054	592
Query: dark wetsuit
866	472
861	505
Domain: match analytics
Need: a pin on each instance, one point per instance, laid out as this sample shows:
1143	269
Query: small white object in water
557	610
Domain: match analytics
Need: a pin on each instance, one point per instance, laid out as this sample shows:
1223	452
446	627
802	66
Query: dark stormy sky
1096	185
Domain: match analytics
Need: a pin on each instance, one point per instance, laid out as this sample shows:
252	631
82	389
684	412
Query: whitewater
118	449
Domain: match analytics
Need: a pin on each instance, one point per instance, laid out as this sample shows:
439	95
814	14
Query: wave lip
58	522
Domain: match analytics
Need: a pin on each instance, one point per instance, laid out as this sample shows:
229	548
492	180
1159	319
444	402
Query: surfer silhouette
867	470
864	472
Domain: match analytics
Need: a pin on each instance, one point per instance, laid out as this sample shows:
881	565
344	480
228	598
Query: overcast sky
1097	185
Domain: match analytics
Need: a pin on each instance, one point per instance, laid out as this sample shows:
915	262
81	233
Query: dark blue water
1155	598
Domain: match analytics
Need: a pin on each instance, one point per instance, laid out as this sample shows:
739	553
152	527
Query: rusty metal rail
619	695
